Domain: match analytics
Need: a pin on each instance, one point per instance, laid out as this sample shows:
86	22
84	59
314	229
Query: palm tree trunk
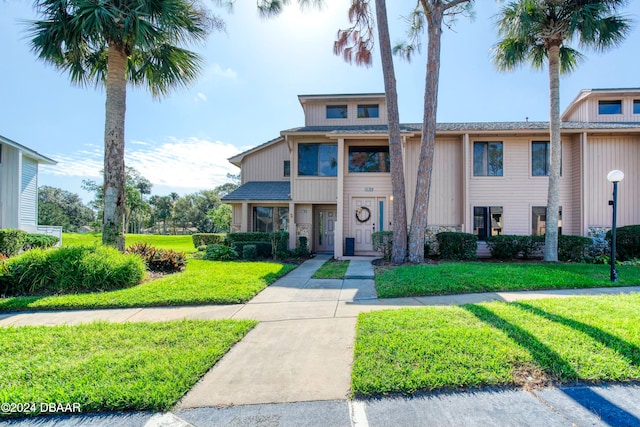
114	174
553	198
427	144
399	252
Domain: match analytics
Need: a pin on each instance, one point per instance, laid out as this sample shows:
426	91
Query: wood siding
29	192
606	153
312	189
517	191
266	164
315	114
445	200
9	187
576	186
587	110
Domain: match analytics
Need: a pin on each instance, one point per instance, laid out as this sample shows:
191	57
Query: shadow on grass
624	348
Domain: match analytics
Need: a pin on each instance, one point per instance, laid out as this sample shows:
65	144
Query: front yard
110	367
465	277
203	282
530	344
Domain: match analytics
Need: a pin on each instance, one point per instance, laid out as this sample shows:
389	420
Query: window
317	160
487	221
368	111
636	106
610	107
264	219
369	159
487	159
336	111
287	168
541	158
539	220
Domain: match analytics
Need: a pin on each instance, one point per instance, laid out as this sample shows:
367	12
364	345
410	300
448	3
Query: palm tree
356	43
538	30
112	43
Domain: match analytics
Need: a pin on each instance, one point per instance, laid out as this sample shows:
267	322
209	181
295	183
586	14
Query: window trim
335	106
318	175
633	107
349	171
275	217
377	106
487	222
473	159
548	166
610	102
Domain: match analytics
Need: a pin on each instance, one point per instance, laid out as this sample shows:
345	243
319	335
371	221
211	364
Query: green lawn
112	367
458	277
331	270
203	282
528	344
177	243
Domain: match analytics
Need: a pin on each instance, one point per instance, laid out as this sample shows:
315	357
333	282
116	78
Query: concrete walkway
302	349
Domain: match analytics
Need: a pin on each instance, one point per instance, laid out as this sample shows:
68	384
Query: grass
182	243
203	282
456	278
331	269
112	367
533	343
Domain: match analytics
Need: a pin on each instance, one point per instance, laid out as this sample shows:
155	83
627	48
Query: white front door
363	215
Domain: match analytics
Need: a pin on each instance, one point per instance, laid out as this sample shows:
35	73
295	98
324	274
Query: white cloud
179	164
200	97
217	71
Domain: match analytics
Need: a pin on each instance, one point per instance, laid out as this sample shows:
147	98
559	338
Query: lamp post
615	176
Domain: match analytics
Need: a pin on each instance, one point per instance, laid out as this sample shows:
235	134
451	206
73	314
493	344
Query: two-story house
329	180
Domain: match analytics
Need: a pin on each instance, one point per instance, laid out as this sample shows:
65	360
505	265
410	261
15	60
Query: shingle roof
269	190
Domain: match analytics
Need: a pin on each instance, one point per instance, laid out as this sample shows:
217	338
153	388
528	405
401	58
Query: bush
233	238
573	248
11	241
159	260
279	243
627	242
302	250
249	252
205	239
513	247
263	248
72	269
383	242
458	246
36	240
220	253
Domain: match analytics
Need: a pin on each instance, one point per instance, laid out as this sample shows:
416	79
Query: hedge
573	248
11	241
233	238
513	247
458	246
204	239
37	240
263	249
627	242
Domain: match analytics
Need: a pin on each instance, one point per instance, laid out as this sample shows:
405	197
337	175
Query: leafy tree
62	208
221	217
536	31
113	43
356	43
162	209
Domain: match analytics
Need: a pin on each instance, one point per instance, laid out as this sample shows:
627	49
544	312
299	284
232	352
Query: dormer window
610	107
636	106
336	111
368	111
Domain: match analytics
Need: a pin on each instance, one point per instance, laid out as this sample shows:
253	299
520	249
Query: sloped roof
28	151
268	190
237	159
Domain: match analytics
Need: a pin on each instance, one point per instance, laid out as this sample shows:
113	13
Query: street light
614	176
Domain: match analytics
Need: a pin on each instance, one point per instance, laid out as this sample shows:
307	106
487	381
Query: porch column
293	240
339	231
245	217
467	220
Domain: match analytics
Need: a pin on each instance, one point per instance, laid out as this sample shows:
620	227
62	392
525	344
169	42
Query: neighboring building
19	188
329	180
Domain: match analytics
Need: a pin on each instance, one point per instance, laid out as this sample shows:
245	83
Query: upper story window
336	111
636	106
610	107
369	159
487	159
541	158
287	168
317	160
368	111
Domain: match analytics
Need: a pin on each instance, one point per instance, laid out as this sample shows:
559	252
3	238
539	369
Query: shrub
512	247
249	252
159	260
458	246
302	250
383	242
220	253
36	240
72	269
263	248
627	242
572	248
205	239
11	241
253	237
279	243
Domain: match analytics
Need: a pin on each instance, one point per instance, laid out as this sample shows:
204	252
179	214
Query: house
19	188
329	180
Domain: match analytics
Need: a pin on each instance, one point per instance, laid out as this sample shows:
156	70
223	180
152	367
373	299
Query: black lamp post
615	176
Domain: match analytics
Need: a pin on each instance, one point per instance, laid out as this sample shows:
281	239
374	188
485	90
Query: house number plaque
368	189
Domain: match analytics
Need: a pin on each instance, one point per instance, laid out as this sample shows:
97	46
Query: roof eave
28	151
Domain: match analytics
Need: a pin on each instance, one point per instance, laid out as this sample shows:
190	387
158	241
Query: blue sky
248	91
